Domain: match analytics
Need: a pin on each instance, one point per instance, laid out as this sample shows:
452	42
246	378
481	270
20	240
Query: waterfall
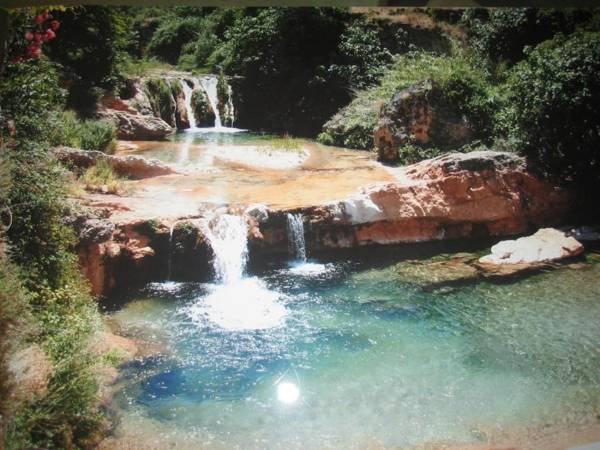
170	250
295	234
228	237
229	109
209	84
187	92
236	302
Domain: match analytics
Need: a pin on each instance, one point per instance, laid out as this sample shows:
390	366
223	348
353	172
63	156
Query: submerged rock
547	244
430	274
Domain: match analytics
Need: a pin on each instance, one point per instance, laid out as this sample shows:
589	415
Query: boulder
547	244
134	167
133	126
413	116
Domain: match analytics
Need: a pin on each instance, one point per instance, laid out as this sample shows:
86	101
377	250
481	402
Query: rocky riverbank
475	195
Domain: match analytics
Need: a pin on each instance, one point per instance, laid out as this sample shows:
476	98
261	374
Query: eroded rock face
412	116
131	166
126	254
547	244
472	195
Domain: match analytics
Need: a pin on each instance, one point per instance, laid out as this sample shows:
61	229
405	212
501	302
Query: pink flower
29	36
38	37
39	19
50	34
55	25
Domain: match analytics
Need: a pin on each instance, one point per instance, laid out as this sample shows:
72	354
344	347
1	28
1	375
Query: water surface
346	355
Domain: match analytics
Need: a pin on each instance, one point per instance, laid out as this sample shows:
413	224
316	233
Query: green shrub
101	177
554	98
363	58
97	135
30	89
170	36
13	310
411	154
502	34
64	128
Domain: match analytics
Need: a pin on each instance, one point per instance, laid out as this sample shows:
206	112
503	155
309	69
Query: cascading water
187	92
229	109
237	302
295	235
209	84
297	249
228	237
170	250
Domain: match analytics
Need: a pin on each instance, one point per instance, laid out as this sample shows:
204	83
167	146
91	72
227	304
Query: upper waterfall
188	92
209	84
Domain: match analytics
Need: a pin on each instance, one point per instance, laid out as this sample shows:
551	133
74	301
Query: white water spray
209	84
188	93
295	235
228	237
237	303
170	250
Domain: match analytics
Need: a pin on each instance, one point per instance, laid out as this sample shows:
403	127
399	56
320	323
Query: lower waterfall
235	302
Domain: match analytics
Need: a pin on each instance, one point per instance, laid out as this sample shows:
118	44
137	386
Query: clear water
345	355
200	145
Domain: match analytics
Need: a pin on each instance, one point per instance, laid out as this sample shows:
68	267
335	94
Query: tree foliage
554	98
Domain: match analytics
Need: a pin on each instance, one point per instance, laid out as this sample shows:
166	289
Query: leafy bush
30	89
555	105
97	135
91	40
64	128
502	34
363	57
170	36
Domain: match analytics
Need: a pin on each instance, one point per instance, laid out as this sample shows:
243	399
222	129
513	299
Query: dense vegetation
525	79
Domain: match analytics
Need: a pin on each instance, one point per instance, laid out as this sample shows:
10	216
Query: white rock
361	210
547	244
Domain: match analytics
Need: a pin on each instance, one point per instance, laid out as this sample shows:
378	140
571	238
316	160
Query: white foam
308	268
245	305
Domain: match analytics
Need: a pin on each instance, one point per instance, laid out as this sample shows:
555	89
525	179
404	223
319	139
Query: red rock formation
477	194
